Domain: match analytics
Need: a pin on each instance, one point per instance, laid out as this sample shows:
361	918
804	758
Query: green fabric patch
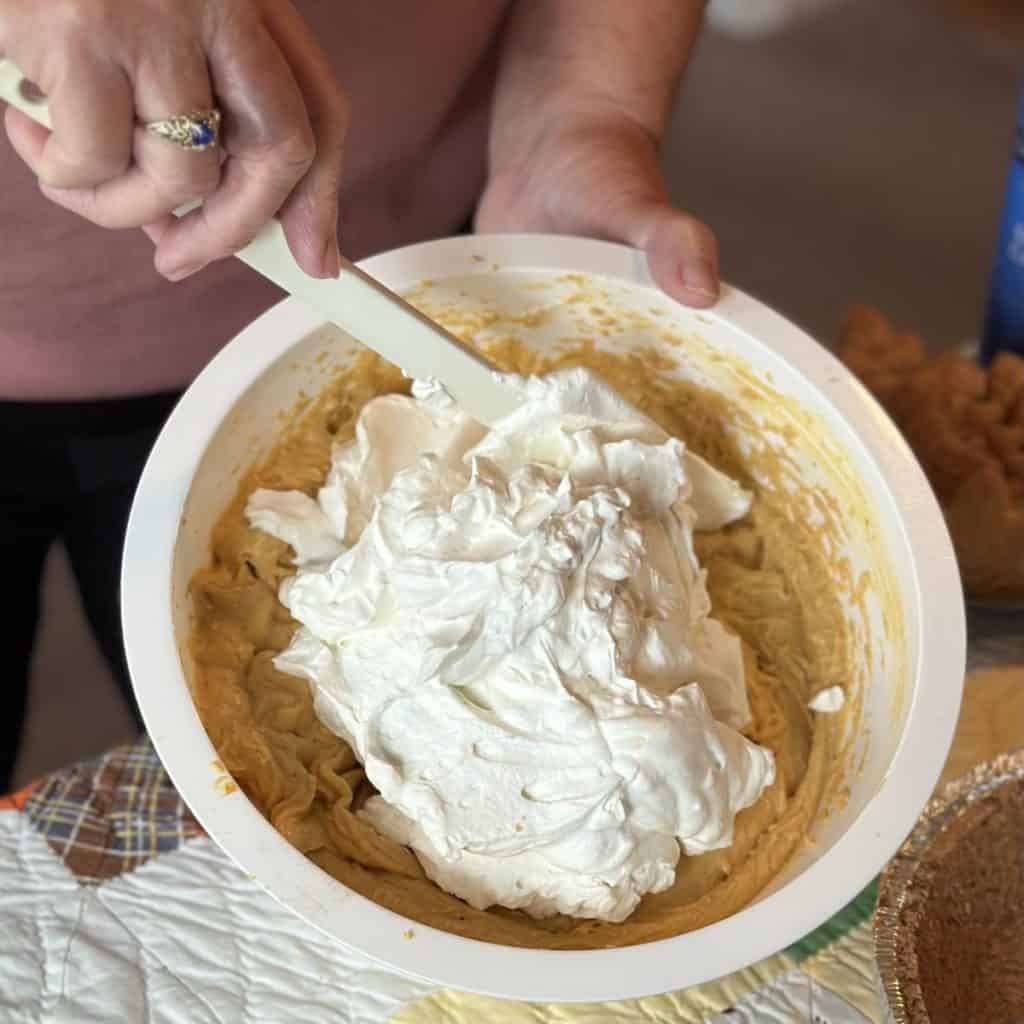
858	910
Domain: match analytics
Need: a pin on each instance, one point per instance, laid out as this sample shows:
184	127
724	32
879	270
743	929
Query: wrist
571	127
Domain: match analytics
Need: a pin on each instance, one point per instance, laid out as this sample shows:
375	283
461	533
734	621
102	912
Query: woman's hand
583	95
109	66
598	176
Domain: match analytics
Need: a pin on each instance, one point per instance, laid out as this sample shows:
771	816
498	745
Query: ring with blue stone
197	130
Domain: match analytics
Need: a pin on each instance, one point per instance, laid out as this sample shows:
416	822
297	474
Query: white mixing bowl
911	626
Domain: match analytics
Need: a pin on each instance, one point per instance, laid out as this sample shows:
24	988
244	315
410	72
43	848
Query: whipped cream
511	629
828	701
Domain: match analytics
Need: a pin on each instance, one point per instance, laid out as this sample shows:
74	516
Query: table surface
116	906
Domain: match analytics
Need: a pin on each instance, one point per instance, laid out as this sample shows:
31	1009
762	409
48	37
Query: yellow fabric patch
847	967
689	1006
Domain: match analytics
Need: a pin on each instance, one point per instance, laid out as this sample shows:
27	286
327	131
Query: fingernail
186	270
700	279
331	260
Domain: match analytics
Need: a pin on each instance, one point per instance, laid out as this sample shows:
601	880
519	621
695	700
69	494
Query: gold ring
197	130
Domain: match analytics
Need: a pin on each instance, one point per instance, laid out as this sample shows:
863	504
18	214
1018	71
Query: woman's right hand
109	66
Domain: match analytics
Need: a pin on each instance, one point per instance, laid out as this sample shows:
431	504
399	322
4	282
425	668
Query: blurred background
843	150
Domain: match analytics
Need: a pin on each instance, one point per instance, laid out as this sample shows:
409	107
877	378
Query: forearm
587	60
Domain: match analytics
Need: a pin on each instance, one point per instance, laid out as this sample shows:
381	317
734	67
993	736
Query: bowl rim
440	957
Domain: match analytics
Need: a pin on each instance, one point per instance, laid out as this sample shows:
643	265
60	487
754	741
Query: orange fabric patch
15	801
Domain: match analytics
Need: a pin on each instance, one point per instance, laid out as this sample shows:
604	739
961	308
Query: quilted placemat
116	907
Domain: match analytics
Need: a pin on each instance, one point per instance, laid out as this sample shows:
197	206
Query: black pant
68	470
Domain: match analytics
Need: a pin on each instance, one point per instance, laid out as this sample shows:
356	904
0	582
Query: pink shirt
84	315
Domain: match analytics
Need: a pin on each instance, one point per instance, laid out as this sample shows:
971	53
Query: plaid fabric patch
107	816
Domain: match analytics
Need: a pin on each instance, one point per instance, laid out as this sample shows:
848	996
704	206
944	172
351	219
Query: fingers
682	255
91	110
174	81
269	144
310	214
89	93
99	161
26	136
631	203
156	229
163	175
83	149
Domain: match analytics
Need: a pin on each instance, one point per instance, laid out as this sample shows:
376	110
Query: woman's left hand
598	176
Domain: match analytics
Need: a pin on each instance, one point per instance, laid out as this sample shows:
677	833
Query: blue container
1004	318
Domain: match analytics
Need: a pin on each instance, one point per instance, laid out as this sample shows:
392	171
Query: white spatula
360	305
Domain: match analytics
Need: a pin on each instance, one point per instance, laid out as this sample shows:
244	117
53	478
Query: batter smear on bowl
544	684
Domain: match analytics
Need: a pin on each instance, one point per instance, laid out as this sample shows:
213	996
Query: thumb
682	253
